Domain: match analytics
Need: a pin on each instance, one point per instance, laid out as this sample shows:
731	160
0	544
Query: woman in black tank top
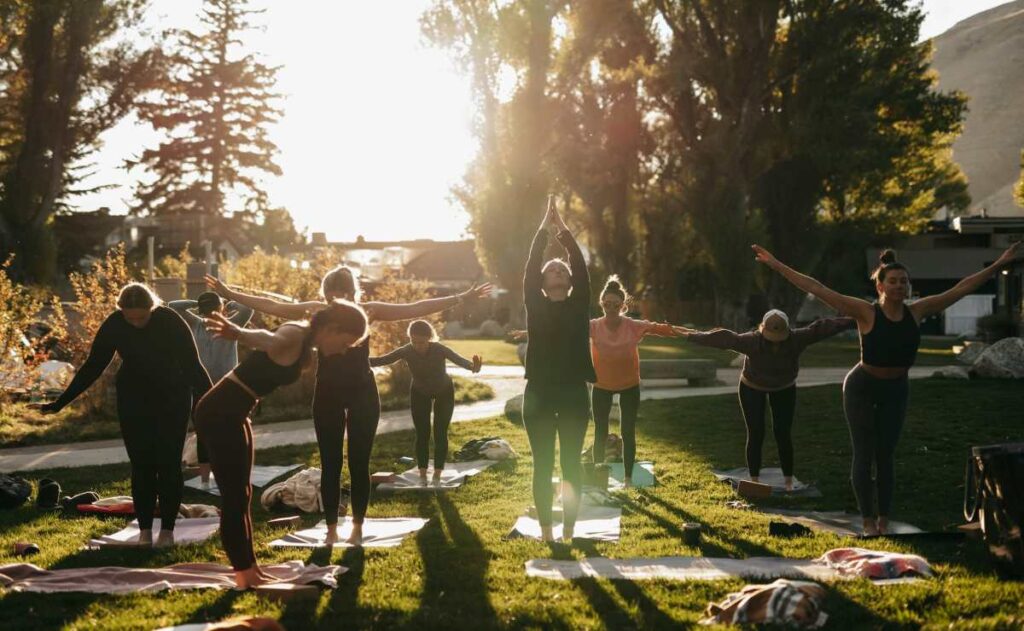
346	392
221	418
875	391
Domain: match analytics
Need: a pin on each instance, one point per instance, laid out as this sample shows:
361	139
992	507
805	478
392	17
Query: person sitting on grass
431	388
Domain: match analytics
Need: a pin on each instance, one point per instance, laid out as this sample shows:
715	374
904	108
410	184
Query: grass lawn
20	426
458	573
836	351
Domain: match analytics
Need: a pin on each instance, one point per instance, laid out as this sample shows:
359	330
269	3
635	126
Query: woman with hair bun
614	346
875	392
159	378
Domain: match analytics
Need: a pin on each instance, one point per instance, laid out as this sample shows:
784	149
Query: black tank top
263	375
345	370
891	344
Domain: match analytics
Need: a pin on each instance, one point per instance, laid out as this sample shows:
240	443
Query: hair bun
887	256
614	284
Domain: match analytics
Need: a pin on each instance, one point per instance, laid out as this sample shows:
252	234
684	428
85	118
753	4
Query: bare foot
204	472
546	534
165	539
567	533
627	482
332	535
423	477
883	525
247	579
755	478
437	477
789	483
356	538
145	538
870	527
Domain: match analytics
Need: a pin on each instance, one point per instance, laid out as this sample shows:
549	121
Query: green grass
458	573
21	426
833	352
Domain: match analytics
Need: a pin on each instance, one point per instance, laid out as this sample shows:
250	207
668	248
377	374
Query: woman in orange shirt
614	346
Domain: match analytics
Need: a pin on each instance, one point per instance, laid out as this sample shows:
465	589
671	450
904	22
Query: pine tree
215	106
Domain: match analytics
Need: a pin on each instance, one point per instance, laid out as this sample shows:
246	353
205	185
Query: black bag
994	494
13	491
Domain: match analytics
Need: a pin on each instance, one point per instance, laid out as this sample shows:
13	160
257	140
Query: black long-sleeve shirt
559	331
161	355
772	365
429	375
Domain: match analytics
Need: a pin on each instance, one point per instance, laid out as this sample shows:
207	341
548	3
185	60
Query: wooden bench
697	372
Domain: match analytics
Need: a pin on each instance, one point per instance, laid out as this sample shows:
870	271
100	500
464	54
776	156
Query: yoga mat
689	569
643	475
377	533
452	477
772	477
185	531
597	523
838	522
25	577
261	476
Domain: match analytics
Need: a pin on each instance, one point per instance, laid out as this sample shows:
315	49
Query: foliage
174	266
1018	190
296	278
23	311
214	106
70	69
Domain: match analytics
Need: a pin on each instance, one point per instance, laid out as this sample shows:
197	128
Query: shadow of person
455	564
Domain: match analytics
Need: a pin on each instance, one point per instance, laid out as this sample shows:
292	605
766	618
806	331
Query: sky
377	123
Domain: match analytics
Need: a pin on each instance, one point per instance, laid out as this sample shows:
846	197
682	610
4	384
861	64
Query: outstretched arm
719	338
388	312
935	304
100	355
459	360
823	328
390	358
577	265
662	329
859	309
278	308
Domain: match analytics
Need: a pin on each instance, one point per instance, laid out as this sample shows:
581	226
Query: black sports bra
263	375
891	344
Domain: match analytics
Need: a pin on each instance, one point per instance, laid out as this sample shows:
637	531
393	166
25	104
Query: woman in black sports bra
875	391
221	418
346	396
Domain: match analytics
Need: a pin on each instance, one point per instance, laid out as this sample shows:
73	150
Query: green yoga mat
643	473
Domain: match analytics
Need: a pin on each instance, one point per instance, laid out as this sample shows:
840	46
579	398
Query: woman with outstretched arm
558	368
771	363
345	396
875	392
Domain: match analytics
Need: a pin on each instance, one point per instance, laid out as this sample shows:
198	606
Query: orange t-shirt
615	353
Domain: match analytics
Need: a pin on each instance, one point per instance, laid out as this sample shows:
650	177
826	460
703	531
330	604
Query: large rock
491	328
514	407
1002	360
453	330
971	352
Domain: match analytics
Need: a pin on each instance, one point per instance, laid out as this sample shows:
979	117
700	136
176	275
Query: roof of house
447	260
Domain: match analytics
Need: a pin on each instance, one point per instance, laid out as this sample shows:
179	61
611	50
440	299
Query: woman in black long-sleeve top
558	367
159	377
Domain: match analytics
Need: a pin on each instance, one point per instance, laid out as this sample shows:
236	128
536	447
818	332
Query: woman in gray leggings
875	391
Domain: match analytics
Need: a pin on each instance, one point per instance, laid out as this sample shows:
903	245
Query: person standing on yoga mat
222	416
345	396
159	378
875	392
219	356
771	362
431	387
558	368
614	345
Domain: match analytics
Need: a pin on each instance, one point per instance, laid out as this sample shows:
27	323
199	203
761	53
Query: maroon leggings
222	422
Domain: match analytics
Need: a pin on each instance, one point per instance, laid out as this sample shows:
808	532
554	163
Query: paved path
507	381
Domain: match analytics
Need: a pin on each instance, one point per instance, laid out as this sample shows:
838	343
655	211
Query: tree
214	107
505	187
1018	191
67	75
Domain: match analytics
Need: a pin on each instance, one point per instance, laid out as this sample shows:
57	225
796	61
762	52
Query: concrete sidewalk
507	381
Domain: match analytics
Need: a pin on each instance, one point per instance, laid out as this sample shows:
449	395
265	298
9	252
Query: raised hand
552	218
221	327
477	291
477	363
1012	253
217	286
764	256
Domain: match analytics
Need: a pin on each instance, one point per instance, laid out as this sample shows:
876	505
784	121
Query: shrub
996	326
21	311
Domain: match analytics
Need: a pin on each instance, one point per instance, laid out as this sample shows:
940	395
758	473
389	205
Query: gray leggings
875	409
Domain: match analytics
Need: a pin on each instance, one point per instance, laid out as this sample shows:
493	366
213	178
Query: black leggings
154	425
336	408
783	404
550	410
443	405
222	420
629	403
875	409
